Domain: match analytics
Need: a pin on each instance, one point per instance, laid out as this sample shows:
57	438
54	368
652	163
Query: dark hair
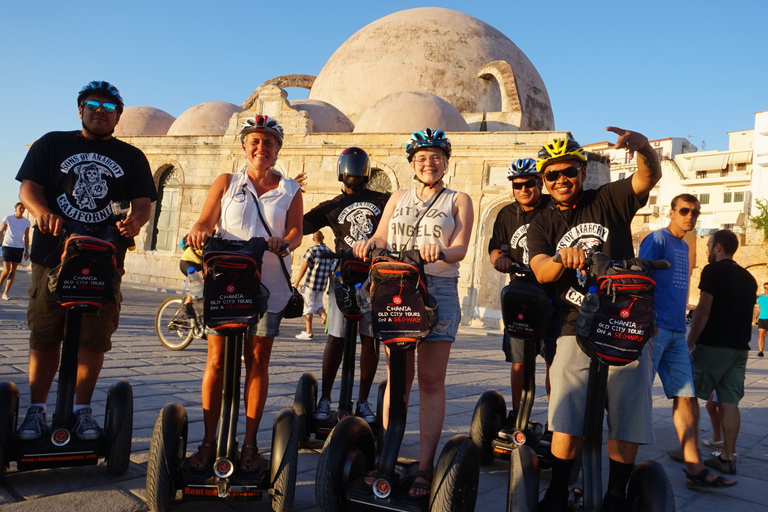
319	236
727	240
688	198
18	204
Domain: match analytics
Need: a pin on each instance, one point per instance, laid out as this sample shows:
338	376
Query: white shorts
337	322
313	300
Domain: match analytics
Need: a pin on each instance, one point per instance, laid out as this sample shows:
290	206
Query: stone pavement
159	376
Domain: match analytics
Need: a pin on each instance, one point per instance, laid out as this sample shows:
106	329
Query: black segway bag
87	276
351	272
625	320
403	313
525	309
235	297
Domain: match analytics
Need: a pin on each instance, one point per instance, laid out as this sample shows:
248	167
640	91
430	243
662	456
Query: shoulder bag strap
424	214
266	226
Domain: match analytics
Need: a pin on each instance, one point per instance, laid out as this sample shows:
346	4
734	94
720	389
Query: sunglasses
568	172
94	105
685	211
518	185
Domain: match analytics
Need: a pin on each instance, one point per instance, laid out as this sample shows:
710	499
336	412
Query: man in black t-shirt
76	176
509	245
721	330
353	215
596	219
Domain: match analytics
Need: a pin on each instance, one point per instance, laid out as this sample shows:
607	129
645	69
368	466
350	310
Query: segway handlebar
622	264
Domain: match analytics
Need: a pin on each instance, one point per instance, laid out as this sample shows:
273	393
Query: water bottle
363	299
589	306
194	283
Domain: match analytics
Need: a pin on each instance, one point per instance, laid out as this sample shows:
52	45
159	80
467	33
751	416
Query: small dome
407	111
325	117
210	118
136	121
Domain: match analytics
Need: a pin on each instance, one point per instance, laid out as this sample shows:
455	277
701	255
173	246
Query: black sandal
251	460
700	481
199	461
420	486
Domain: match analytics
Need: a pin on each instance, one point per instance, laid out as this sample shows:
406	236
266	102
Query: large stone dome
434	50
325	117
143	121
407	111
210	118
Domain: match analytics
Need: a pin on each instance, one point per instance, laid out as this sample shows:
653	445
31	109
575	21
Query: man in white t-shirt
14	231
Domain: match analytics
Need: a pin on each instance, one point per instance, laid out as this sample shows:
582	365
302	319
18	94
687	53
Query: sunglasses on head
518	185
94	105
685	211
568	172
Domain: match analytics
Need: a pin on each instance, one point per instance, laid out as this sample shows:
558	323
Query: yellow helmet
559	149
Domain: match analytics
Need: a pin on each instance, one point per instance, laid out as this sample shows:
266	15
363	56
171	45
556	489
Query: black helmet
100	86
353	162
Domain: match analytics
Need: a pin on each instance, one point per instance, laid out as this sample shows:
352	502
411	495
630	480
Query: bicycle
175	329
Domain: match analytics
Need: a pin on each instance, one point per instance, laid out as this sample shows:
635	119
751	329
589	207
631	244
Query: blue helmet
102	87
428	138
522	167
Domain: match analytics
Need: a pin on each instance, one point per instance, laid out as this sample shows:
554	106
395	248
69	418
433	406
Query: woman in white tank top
231	210
445	226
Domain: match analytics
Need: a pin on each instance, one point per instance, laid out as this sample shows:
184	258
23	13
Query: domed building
143	121
432	67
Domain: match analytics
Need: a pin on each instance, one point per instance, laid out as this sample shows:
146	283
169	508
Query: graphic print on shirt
588	235
519	240
358	218
428	227
90	187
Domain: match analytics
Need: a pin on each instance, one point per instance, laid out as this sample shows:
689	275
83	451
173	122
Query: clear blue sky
666	69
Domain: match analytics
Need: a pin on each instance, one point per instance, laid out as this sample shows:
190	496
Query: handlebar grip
557	258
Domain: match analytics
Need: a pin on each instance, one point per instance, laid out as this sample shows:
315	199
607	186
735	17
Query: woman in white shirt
231	210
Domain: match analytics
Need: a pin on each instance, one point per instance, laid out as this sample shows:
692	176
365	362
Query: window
626	158
701	174
704	198
741	166
167	211
622	175
660	152
738	197
727	197
652	200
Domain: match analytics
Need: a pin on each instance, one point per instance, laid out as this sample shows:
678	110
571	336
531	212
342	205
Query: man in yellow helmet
599	220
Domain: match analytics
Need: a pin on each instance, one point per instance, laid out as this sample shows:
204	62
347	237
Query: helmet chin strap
427	185
98	136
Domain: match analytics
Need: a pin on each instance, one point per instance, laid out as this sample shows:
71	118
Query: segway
349	452
526	312
234	300
351	272
649	488
86	280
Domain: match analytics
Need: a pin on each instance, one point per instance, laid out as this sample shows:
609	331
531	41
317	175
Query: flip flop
700	481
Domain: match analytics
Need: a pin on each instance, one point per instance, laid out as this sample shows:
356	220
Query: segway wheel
304	405
285	459
349	452
174	330
9	410
379	426
523	489
118	426
649	488
454	485
166	454
490	413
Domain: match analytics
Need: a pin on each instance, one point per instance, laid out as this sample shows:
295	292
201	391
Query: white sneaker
6	297
304	336
323	410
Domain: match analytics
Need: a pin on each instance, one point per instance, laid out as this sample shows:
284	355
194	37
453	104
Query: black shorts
762	323
13	254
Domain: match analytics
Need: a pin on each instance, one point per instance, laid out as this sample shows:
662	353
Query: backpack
625	319
87	276
235	297
403	313
525	308
351	271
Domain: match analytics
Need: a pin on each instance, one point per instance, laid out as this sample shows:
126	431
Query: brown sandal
251	460
203	457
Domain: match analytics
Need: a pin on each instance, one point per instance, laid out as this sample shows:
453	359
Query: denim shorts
672	361
445	290
337	324
268	326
